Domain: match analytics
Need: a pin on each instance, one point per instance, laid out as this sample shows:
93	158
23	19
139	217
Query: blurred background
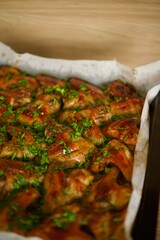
128	31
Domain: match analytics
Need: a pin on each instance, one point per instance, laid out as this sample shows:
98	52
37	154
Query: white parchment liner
146	80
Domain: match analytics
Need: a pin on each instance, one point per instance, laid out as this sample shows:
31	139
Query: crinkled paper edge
98	72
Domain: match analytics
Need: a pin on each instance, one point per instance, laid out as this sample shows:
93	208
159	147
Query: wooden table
88	29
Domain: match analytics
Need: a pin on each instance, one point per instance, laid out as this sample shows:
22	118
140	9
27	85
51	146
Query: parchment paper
146	80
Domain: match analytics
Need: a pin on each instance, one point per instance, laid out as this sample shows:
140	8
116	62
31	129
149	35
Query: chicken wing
11	216
125	130
106	193
90	90
68	148
15	176
21	144
40	110
49	230
115	153
118	91
62	188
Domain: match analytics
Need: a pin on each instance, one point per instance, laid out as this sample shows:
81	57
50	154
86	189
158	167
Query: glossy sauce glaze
66	156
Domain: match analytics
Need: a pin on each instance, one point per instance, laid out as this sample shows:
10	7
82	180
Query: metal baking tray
146	220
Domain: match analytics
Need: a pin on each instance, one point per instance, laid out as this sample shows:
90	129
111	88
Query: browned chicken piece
67	148
97	223
99	114
41	110
60	226
78	210
129	106
8	72
106	193
94	134
15	97
83	95
71	153
118	225
19	81
14	176
18	97
58	131
100	225
103	114
3	106
96	93
50	102
77	99
45	80
85	127
51	85
20	145
125	130
16	207
118	91
33	114
115	153
62	188
6	111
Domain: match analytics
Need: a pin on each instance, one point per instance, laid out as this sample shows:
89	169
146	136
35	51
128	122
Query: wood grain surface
128	31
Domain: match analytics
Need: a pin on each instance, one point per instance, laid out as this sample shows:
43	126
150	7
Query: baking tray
146	220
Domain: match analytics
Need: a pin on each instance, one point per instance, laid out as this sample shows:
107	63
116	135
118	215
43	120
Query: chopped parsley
35	113
72	94
9	111
117	99
87	122
20	182
21	82
1	173
48	89
127	115
9	77
117	219
37	126
83	87
79	127
121	128
67	151
25	223
63	220
104	152
57	88
107	170
107	90
14	206
2	99
14	155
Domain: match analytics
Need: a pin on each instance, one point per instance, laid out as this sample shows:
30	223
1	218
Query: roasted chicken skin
106	193
15	176
69	148
11	215
125	130
66	156
62	188
115	153
20	145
